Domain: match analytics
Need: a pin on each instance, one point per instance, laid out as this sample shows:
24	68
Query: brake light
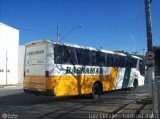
47	74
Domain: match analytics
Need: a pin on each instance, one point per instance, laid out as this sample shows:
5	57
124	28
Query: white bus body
46	72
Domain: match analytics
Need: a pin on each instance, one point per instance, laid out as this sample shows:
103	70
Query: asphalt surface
26	106
10	90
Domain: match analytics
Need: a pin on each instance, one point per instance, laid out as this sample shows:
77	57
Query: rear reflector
47	74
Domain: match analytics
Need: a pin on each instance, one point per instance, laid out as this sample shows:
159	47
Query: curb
10	86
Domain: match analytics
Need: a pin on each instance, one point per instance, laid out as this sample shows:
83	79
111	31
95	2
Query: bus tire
135	84
96	90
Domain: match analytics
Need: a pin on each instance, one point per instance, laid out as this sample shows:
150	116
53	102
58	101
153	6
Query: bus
63	69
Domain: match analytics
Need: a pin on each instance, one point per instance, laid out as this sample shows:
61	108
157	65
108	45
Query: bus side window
111	60
117	61
73	55
93	58
141	67
85	56
126	62
129	62
58	54
80	56
108	60
121	61
133	63
65	56
101	59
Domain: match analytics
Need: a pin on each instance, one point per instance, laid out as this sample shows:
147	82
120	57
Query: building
21	53
9	38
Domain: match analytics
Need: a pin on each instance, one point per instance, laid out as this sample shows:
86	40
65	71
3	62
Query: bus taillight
47	74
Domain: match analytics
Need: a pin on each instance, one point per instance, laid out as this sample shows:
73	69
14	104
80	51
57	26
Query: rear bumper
46	92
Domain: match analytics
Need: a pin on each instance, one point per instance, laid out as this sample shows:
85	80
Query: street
27	106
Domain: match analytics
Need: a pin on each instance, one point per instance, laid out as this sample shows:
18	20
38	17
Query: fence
156	96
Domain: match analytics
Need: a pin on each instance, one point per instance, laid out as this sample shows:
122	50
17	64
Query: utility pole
148	25
149	39
58	34
150	69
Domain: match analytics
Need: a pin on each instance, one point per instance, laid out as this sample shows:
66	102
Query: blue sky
110	24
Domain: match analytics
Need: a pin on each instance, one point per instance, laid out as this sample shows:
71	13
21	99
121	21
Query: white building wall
21	53
2	66
9	41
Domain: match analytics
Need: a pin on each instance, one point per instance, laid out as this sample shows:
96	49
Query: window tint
65	55
72	55
116	61
93	58
61	55
121	61
101	58
141	67
80	56
113	60
128	62
85	57
58	54
110	60
133	63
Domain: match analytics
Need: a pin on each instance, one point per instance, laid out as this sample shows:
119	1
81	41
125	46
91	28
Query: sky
109	24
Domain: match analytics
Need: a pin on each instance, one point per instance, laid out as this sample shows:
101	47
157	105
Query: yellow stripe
70	85
74	85
34	82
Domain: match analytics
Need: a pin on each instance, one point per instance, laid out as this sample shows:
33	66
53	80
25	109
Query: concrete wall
9	41
21	53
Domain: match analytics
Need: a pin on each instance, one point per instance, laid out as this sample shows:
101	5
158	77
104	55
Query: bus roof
136	57
37	42
78	46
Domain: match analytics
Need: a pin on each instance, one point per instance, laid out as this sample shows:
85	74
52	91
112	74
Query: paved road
9	90
27	106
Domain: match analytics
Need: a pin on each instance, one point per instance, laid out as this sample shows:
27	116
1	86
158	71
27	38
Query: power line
30	30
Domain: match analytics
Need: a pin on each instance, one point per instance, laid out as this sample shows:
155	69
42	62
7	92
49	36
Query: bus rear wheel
135	84
96	90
